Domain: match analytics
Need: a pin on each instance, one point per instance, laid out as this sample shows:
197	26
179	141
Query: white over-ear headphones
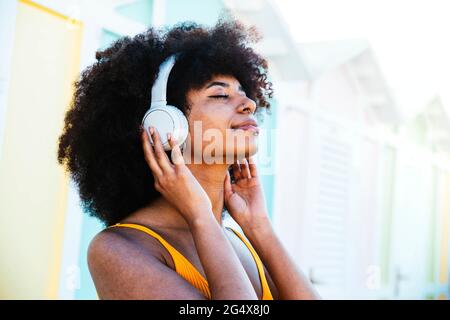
163	117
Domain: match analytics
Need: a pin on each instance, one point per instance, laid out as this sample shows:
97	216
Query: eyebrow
222	84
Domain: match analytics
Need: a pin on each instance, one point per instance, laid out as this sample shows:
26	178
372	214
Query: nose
247	105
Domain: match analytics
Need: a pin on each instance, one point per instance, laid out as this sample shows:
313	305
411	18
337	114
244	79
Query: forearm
289	280
226	276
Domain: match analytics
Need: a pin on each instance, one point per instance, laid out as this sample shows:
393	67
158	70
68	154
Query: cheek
211	117
209	126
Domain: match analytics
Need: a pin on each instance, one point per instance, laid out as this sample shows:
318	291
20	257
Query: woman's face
222	126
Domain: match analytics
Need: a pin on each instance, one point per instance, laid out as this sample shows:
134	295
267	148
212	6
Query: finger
227	185
252	167
237	170
149	153
245	169
176	155
161	156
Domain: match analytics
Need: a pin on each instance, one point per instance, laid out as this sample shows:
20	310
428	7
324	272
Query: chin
244	151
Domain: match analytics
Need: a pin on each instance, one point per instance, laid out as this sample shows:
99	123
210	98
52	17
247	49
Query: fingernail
169	136
152	130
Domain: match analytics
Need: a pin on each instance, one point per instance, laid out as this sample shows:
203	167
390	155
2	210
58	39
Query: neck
210	177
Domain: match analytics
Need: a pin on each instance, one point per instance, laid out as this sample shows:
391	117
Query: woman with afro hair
164	237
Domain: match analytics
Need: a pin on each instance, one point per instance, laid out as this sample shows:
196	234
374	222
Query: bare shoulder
105	246
114	241
121	268
106	255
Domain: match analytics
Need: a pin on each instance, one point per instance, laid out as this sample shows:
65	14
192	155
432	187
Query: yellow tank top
185	268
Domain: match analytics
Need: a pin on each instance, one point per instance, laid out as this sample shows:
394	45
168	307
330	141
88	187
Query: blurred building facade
358	191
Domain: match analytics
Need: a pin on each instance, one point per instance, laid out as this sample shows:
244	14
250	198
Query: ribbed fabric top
185	268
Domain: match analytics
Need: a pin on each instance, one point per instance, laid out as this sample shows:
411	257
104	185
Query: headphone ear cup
181	128
167	119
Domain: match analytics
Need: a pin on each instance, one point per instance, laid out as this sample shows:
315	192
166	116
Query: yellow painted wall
33	188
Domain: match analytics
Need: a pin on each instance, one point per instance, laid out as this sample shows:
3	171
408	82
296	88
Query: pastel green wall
267	180
200	11
140	11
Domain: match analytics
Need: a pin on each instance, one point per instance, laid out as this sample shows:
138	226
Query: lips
247	125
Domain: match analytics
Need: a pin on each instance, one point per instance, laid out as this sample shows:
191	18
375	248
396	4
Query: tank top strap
266	294
182	265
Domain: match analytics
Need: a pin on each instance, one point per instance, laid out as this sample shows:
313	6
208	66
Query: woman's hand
244	198
175	181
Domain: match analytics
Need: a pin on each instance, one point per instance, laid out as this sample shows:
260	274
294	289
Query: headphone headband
165	118
160	86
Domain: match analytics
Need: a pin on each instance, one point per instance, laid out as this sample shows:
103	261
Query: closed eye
219	97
